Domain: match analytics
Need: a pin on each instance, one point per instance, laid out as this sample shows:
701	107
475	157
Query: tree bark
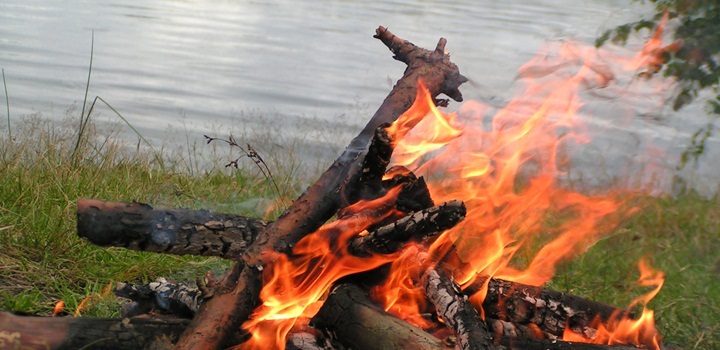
223	314
138	226
351	318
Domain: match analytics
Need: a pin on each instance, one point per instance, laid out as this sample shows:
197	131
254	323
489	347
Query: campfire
409	240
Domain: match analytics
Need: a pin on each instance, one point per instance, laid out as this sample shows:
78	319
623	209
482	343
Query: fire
625	330
293	285
509	173
510	168
59	308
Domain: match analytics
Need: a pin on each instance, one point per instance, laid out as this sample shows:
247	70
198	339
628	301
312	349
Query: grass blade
83	118
7	104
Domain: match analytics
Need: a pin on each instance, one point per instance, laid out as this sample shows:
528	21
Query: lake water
306	67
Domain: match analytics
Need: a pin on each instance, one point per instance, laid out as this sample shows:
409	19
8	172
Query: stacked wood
348	318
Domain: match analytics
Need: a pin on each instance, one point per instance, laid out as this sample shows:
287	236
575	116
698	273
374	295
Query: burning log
138	226
43	333
389	238
236	294
519	304
349	316
550	310
455	309
265	252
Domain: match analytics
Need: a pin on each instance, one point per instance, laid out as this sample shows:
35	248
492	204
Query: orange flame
293	284
625	330
59	308
508	169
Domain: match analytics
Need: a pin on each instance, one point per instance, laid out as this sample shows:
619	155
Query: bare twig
250	153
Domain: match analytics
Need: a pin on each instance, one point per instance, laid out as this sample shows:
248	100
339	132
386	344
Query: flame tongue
293	284
507	171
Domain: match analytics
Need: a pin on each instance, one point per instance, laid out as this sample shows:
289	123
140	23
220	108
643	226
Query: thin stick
7	104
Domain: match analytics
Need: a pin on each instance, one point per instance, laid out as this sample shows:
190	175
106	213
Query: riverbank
42	174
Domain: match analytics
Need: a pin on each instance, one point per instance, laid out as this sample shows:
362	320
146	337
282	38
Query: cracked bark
138	226
550	310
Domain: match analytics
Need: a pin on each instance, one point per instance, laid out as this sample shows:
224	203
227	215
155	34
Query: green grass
680	236
42	261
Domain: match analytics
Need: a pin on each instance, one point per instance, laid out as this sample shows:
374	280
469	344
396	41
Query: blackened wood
141	227
351	318
70	333
325	196
455	310
28	332
180	299
501	329
225	312
425	223
306	341
515	343
415	194
550	310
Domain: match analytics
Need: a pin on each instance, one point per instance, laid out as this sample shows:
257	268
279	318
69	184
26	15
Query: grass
679	236
42	261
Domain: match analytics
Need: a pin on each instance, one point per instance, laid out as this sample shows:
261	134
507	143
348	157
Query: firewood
179	299
138	226
550	310
351	318
306	341
388	239
235	294
455	309
70	333
31	332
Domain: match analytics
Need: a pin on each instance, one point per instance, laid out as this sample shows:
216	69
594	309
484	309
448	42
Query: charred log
425	223
351	318
180	299
138	226
70	333
550	310
455	310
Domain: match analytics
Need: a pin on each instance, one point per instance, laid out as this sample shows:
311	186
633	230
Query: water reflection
207	62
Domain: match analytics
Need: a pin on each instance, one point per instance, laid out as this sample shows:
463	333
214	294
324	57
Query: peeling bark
455	310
